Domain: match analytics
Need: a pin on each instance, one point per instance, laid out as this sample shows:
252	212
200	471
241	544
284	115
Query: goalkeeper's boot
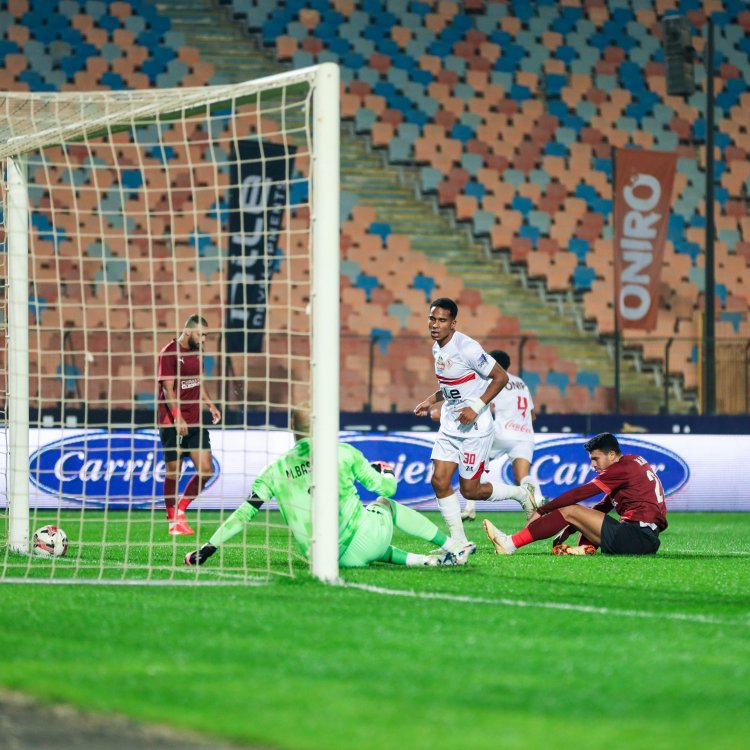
529	503
180	527
463	555
569	549
200	556
465	547
440	559
469	513
502	542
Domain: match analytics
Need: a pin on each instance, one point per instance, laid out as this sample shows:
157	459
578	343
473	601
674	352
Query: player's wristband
478	405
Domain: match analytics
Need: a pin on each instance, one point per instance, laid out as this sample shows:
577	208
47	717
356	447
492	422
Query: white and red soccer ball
49	541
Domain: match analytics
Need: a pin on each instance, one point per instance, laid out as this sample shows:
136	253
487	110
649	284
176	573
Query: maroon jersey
634	490
183	367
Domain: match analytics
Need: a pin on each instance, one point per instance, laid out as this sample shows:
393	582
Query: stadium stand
509	110
511	94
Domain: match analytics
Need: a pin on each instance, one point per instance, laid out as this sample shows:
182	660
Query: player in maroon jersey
181	394
631	488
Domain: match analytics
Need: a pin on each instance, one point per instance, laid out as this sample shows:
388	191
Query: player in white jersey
513	410
464	440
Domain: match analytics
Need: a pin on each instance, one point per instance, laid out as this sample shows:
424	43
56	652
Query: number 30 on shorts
470	459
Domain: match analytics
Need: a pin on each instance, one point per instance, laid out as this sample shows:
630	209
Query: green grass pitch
531	651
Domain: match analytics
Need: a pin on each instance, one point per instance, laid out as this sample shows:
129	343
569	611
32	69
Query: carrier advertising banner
123	469
643	198
259	177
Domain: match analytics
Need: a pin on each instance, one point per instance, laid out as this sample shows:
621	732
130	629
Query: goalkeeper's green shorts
371	540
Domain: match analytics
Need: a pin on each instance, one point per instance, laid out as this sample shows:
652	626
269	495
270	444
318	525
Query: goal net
123	214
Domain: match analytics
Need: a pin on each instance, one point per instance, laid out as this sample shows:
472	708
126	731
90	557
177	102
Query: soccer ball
50	541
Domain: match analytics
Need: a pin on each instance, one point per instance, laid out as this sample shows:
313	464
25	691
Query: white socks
502	491
451	511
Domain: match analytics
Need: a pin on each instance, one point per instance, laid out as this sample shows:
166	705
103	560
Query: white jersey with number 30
462	368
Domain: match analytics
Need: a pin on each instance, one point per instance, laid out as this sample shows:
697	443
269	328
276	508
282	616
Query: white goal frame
324	197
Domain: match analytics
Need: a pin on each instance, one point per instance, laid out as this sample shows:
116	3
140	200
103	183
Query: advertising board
76	468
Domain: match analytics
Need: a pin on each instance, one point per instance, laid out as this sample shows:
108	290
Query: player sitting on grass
632	489
364	534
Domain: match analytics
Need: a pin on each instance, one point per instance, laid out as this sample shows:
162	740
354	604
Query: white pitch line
564	606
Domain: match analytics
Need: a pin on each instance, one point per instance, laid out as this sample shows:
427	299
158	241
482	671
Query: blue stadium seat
583	278
560	380
425	283
69	375
580	247
381	229
430	178
589	378
368	283
382	337
401	311
351	269
734	317
36	306
532	379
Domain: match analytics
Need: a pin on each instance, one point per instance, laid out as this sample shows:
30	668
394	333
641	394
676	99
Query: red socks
193	489
543	528
170	497
522	538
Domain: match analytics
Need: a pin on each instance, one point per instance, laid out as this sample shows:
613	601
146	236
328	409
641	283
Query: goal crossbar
87	114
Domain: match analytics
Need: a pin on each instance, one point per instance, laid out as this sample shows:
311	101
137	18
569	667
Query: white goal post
299	107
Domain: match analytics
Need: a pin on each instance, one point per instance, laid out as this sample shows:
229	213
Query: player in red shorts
181	393
631	488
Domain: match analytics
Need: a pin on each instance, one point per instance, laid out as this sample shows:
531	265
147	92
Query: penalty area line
562	606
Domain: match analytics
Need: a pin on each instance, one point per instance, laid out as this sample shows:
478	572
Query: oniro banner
643	197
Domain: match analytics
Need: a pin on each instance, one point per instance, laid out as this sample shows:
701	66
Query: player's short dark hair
604	442
195	320
446	304
501	357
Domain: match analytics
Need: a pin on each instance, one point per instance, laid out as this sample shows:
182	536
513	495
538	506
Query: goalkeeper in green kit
364	533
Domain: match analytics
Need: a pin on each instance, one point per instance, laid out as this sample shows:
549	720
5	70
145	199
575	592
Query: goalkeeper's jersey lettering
300	470
462	368
289	478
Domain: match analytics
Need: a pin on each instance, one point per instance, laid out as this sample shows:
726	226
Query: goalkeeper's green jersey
288	480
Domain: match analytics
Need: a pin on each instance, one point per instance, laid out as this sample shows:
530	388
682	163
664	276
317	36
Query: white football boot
469	513
501	541
529	502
